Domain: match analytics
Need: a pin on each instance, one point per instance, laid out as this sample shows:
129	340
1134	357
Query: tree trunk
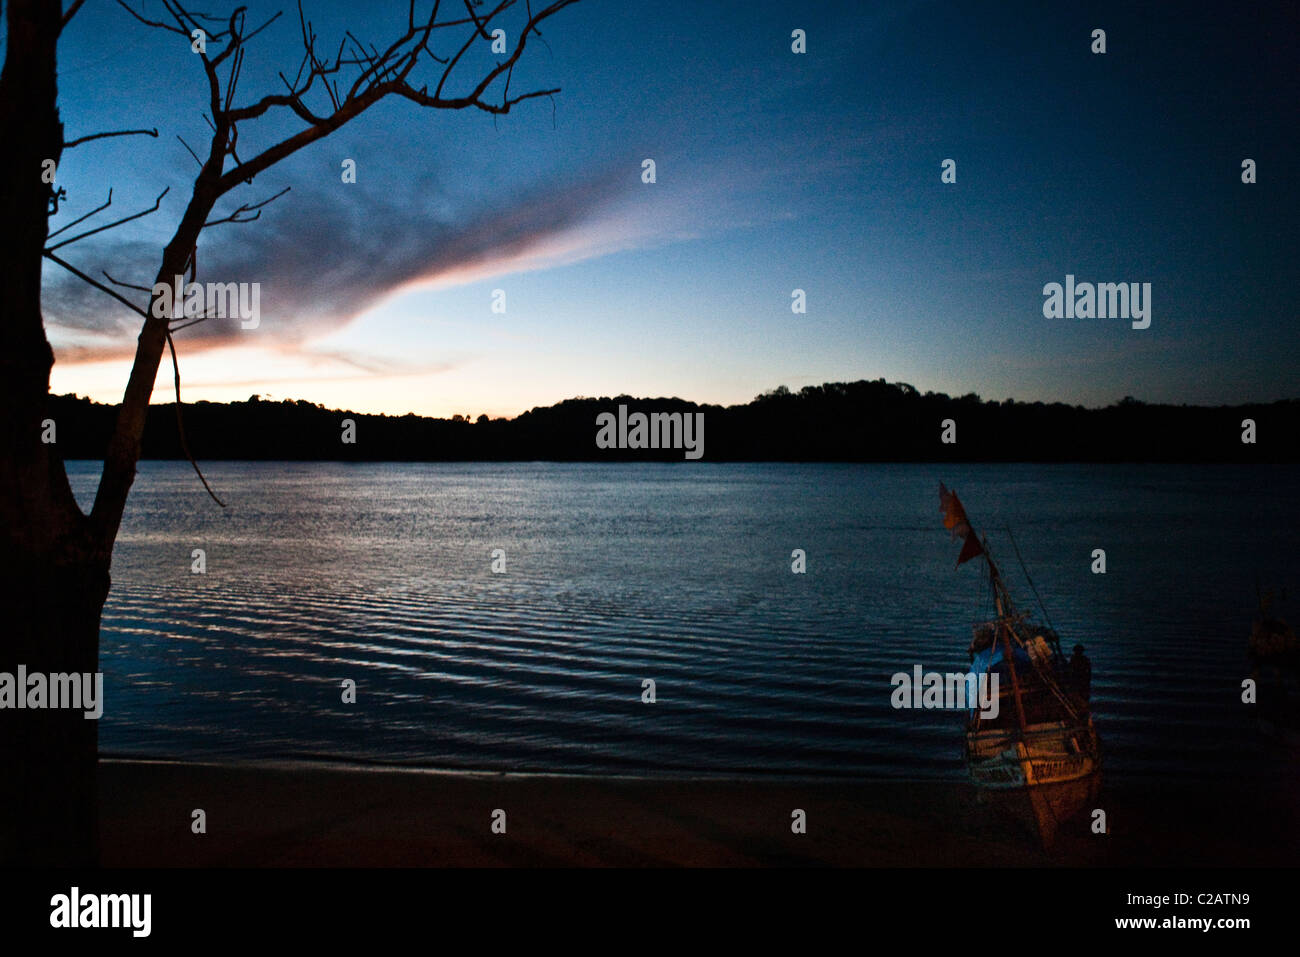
48	800
53	571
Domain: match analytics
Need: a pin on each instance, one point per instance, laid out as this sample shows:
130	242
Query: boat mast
958	522
1007	616
1006	613
1001	597
1011	667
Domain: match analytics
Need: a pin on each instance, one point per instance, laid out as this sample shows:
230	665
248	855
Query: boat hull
1051	770
1048	753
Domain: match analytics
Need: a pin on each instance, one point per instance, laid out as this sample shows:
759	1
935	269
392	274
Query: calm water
680	573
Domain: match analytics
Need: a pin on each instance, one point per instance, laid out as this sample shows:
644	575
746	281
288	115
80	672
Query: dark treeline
847	422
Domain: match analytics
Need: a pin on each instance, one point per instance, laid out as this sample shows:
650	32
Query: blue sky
775	171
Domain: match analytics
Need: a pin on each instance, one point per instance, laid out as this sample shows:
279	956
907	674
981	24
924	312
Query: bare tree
55	559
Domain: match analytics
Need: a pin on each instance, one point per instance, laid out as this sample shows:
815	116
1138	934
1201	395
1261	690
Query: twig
82	219
180	422
192	153
254	208
70	13
99	136
126	219
96	283
128	285
176	369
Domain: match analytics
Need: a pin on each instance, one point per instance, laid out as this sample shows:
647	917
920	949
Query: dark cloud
323	257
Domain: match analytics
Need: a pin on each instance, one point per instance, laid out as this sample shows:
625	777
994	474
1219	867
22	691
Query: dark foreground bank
309	815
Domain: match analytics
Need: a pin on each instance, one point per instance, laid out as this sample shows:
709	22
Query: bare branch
176	369
481	26
446	74
70	13
180	423
192	322
245	172
240	214
180	15
126	219
374	73
236	25
192	153
236	65
81	219
99	136
157	24
510	61
96	283
128	285
249	36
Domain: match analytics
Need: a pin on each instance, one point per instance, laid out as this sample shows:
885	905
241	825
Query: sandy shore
324	815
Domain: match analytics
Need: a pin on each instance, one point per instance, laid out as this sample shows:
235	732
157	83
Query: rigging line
1032	587
1048	679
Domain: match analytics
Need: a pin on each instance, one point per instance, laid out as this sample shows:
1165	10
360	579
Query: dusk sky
775	171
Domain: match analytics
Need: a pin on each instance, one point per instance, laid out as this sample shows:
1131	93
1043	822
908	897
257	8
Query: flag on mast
954	519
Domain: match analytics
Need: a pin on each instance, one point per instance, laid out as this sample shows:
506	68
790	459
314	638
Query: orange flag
955	520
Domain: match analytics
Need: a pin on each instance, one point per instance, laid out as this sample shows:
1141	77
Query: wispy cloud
324	258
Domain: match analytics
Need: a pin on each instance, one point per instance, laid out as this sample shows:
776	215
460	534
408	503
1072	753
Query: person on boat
1081	674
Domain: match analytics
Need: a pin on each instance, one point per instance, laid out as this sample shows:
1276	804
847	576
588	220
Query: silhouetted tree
55	559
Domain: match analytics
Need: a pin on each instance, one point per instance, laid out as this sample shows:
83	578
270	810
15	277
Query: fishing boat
1041	744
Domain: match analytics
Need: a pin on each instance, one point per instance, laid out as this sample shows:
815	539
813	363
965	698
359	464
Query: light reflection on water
681	573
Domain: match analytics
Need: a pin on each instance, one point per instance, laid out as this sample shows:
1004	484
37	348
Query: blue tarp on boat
991	658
